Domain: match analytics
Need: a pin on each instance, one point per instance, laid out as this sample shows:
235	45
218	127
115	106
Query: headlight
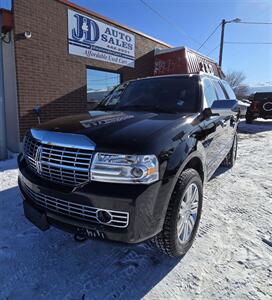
120	168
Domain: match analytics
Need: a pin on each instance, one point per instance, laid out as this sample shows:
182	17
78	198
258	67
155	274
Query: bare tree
236	80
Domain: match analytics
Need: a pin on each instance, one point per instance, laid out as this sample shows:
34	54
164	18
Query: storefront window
100	83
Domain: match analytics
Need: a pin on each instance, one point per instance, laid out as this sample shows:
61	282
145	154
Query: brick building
60	57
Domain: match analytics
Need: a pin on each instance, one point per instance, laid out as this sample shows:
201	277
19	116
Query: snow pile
229	260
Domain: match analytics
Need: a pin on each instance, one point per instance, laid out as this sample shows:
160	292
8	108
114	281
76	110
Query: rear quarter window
209	92
219	91
229	90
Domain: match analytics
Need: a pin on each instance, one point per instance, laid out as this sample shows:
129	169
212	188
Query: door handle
233	122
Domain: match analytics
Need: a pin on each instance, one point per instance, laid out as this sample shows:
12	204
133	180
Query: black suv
134	168
261	107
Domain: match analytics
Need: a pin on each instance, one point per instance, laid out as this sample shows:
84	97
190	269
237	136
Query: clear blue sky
198	18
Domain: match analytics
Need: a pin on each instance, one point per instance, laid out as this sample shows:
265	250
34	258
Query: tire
168	240
249	120
230	159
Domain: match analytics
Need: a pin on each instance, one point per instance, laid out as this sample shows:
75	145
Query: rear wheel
183	215
249	119
232	155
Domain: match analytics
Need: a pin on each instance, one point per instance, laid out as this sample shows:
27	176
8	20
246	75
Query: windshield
167	94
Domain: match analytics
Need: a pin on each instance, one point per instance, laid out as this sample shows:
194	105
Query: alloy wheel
188	213
235	148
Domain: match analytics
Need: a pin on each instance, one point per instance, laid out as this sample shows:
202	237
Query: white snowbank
229	259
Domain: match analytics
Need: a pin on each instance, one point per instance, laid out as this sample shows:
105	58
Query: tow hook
81	236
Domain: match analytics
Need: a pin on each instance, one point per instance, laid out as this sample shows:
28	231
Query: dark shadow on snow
219	171
9	164
52	264
257	126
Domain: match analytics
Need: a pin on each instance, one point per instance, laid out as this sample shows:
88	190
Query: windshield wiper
151	108
164	110
103	107
136	106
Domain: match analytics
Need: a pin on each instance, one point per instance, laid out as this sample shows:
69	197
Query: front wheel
183	215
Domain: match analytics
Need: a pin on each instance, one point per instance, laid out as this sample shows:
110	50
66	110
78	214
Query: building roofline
5	10
85	10
159	51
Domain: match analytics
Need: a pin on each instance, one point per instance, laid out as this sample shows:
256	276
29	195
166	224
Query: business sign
94	39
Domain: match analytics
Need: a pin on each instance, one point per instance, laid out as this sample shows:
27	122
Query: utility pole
223	23
3	142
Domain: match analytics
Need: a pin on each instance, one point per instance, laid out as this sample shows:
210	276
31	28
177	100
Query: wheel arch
196	164
194	161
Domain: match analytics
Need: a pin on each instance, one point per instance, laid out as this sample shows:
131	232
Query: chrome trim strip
38	159
69	140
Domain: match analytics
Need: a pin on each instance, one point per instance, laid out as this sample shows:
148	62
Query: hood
119	131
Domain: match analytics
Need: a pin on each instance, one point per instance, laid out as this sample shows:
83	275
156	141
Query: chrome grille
75	210
30	151
60	164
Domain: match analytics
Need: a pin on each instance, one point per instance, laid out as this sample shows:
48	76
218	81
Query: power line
213	50
209	36
169	22
213	32
103	79
250	43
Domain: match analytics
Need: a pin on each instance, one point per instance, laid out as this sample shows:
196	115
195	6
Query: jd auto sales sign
94	39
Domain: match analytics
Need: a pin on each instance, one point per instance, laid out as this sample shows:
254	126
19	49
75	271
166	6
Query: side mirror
225	107
243	105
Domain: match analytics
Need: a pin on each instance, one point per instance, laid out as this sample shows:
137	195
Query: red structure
7	20
183	60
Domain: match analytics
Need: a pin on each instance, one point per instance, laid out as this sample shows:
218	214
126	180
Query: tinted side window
219	91
209	92
228	90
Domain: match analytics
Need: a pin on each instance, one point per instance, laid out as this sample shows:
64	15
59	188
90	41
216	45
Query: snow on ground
231	257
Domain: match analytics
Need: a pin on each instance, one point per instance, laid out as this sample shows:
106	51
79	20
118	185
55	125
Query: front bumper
145	205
